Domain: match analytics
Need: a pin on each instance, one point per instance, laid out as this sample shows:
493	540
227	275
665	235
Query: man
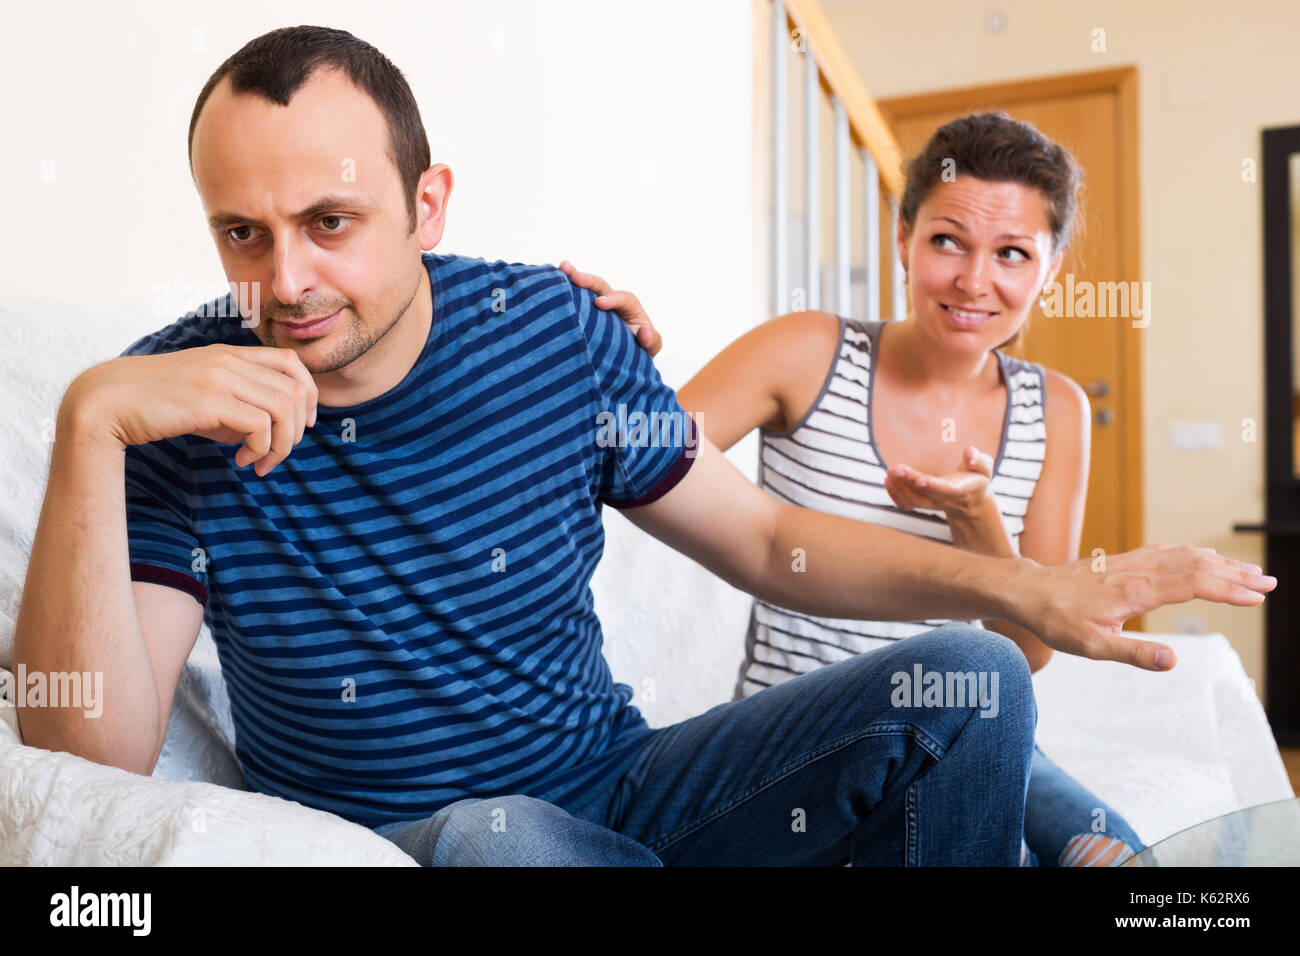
398	585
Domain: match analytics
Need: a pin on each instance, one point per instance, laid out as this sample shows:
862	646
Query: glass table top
1266	835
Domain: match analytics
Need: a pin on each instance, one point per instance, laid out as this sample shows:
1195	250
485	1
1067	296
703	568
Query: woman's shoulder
809	321
1066	409
1026	372
1065	404
1058	383
807	338
797	350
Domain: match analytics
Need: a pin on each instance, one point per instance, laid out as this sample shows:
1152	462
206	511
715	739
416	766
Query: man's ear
431	198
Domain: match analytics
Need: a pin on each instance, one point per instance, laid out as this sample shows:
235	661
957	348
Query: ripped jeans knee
1095	849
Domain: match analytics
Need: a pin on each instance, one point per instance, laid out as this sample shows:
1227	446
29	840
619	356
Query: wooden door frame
1123	82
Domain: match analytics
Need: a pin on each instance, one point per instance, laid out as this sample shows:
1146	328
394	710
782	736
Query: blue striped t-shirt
402	607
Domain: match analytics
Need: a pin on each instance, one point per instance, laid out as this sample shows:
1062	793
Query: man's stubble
347	344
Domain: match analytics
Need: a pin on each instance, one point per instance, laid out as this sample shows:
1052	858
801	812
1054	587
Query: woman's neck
915	360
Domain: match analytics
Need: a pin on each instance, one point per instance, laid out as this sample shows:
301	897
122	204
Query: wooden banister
866	122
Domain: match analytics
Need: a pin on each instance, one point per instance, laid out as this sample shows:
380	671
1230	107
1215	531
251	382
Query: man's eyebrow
1005	235
324	204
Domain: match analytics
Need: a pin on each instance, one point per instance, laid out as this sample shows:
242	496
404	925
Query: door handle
1098	389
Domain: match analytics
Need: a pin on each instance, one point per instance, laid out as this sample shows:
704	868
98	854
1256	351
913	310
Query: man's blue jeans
847	763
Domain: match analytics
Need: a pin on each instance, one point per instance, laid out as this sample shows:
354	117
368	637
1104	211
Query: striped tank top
829	462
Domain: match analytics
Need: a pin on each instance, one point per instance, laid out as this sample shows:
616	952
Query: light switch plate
1195	436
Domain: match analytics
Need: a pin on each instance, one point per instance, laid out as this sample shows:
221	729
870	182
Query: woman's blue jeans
1059	809
861	761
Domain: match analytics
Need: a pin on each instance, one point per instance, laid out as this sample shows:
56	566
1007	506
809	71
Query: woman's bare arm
1054	520
768	377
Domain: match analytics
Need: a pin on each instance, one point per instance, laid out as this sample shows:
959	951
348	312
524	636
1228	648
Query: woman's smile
964	319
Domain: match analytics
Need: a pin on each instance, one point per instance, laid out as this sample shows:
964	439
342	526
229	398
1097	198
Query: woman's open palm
958	493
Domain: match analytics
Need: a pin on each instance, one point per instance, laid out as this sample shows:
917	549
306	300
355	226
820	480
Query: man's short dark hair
276	64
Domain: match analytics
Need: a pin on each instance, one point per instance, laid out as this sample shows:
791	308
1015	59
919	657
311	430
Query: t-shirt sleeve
160	518
646	439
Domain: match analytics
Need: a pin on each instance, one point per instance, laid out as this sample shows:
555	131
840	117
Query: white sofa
1165	750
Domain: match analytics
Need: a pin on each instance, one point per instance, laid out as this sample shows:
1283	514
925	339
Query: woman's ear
1053	269
900	240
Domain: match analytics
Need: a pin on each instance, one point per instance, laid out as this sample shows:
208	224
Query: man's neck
388	361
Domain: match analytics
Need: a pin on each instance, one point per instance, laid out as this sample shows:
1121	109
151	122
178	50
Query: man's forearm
986	533
836	567
78	612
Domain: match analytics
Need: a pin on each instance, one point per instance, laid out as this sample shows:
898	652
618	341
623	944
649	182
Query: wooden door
1093	116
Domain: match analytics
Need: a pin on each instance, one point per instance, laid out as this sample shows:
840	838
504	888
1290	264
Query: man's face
304	201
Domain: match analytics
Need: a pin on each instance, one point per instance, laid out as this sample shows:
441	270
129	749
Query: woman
923	425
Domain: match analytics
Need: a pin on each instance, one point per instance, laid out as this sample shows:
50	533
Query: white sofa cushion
60	810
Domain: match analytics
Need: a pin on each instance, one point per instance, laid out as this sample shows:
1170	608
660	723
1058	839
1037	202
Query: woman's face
977	261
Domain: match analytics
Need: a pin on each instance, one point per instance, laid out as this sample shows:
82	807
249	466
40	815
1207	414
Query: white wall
615	134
